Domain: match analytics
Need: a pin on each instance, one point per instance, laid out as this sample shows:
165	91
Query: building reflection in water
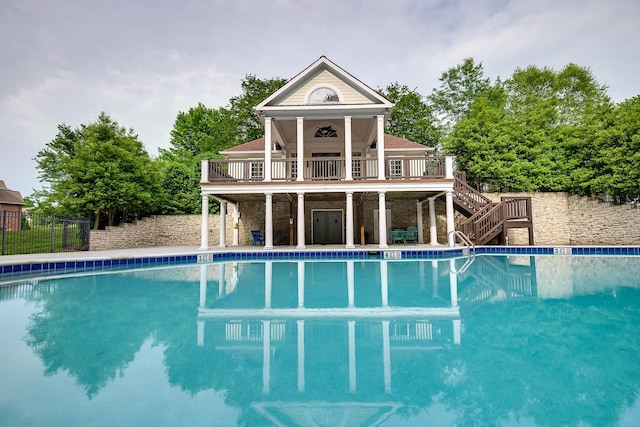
329	334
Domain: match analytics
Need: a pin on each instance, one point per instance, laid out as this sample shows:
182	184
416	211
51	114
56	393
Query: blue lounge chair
258	237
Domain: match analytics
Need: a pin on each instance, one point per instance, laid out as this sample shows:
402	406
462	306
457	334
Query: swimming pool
513	340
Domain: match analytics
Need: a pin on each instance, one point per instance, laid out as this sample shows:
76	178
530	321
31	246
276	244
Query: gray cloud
144	61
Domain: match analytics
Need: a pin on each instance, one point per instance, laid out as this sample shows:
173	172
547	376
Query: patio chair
411	235
258	237
397	236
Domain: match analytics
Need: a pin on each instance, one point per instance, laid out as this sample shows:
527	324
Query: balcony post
204	170
380	147
433	226
348	153
300	147
204	223
267	149
451	226
223	224
268	221
236	217
448	167
382	220
300	221
420	226
349	230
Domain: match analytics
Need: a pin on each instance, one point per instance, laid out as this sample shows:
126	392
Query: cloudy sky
143	61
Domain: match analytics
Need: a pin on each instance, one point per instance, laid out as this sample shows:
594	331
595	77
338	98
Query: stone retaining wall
558	219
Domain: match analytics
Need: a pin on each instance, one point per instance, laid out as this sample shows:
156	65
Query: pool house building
325	173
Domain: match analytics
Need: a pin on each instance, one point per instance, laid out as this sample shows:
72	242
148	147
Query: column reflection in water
347	354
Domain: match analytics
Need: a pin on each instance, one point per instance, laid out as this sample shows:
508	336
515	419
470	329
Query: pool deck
190	250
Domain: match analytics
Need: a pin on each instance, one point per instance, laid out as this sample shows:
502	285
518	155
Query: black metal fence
28	233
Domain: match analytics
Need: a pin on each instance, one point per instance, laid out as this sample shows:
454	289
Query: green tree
618	160
459	88
254	91
201	133
533	132
99	169
411	117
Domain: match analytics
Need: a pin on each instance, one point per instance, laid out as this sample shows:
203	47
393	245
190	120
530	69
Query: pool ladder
463	237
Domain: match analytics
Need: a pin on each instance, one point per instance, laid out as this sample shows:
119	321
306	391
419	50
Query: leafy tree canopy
411	117
99	169
459	88
201	133
533	132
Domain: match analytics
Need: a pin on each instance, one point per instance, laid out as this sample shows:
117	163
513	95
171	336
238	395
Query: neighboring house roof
390	143
9	197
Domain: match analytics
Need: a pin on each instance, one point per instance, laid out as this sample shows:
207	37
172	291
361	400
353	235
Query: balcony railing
322	169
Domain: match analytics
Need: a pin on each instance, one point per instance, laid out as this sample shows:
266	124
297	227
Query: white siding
349	95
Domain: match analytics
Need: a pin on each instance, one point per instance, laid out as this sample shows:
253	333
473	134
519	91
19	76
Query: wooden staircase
487	220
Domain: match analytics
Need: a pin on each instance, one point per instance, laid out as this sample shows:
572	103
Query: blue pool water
486	341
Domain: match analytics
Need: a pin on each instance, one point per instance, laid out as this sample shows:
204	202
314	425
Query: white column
300	147
236	225
434	278
223	224
267	148
300	220
380	147
453	283
350	284
222	285
457	331
268	221
348	153
268	281
386	356
266	356
433	227
419	218
382	220
451	226
204	170
301	382
300	284
448	167
351	324
203	285
200	332
384	283
349	230
204	224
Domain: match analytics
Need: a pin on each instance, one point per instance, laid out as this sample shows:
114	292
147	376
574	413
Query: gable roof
391	142
10	197
320	65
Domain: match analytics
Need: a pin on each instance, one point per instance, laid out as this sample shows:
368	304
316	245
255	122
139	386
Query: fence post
53	232
4	229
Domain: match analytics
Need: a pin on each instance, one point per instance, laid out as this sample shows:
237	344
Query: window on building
294	165
323	95
395	167
356	165
257	170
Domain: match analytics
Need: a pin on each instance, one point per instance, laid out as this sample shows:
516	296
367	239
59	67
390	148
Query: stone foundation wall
558	219
564	219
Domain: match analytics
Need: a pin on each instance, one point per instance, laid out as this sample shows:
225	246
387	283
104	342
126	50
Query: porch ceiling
326	197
